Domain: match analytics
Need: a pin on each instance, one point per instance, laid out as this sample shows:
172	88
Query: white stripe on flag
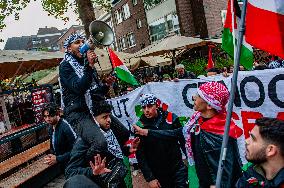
276	6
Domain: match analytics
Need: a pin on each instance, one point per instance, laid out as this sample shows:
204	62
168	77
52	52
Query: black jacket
79	162
206	151
254	177
74	88
159	158
61	142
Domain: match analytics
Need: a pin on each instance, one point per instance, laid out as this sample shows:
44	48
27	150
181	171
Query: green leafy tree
198	66
57	8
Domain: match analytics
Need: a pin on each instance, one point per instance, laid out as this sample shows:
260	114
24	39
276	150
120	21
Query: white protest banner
259	93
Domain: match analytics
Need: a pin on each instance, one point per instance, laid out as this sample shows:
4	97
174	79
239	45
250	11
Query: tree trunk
86	14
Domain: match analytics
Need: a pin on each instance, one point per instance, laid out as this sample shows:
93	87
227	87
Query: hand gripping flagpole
232	96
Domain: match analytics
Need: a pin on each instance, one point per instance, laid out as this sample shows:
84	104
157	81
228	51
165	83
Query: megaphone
101	34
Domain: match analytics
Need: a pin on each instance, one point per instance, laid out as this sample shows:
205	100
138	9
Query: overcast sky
32	18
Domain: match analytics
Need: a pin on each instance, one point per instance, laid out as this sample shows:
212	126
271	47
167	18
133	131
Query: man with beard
203	135
78	80
160	160
116	137
265	149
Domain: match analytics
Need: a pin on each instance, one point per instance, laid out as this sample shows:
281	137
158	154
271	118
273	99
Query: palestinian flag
246	58
120	69
265	25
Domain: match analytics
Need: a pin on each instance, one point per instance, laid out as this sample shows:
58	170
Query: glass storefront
163	26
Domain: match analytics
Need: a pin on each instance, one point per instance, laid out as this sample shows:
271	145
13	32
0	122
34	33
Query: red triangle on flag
115	61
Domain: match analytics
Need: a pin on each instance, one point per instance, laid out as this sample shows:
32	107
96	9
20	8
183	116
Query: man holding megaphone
78	79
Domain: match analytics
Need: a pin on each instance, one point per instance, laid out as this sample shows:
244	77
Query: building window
139	23
162	27
118	17
119	47
134	2
223	16
126	12
131	39
123	43
157	29
149	4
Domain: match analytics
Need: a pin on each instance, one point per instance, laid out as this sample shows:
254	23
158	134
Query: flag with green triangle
120	69
246	58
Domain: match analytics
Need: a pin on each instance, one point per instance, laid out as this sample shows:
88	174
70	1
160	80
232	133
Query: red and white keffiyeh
215	94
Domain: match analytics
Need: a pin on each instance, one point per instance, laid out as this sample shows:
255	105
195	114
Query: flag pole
232	96
233	28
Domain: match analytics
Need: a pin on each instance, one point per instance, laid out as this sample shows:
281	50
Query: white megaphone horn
101	34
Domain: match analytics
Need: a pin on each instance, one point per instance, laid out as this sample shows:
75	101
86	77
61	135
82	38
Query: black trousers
80	181
86	128
177	179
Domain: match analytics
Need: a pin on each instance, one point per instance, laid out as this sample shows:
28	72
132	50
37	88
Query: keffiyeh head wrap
78	68
215	94
72	38
276	64
146	99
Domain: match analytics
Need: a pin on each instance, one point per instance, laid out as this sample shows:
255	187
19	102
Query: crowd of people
90	143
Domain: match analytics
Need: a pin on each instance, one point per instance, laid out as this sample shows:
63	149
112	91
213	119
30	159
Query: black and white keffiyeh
78	68
72	38
112	143
146	99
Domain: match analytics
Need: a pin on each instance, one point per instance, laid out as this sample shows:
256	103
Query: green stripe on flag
193	181
246	58
128	177
125	76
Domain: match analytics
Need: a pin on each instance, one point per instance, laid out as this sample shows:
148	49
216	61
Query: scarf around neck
112	143
79	70
215	125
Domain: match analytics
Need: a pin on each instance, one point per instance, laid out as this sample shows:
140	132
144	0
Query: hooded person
160	160
203	135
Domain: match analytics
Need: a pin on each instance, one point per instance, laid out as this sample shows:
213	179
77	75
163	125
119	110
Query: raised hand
100	166
134	145
140	131
92	58
154	184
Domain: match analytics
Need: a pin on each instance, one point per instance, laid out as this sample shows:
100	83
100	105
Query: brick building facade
201	17
130	25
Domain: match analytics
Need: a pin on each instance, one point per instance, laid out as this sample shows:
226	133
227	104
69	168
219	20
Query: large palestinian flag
246	58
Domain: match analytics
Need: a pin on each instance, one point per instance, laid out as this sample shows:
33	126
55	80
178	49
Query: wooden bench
24	157
35	174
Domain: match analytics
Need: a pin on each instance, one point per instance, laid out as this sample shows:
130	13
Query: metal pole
232	96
